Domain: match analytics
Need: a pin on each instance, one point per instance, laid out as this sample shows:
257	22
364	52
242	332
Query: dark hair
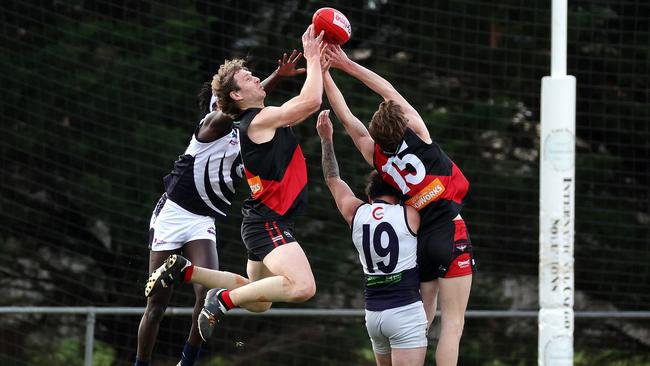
223	82
377	187
387	126
204	96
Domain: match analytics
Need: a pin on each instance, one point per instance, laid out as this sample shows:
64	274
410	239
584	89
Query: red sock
188	273
225	299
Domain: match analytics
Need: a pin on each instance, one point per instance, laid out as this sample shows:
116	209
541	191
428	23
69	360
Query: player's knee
154	313
454	327
303	291
240	281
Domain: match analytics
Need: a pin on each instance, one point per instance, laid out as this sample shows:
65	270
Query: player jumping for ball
277	175
198	192
397	143
384	234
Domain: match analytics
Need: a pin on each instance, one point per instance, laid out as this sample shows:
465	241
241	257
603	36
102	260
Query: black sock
190	354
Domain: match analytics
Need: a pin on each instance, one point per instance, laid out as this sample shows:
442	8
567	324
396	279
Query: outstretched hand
324	125
287	65
312	44
336	56
325	64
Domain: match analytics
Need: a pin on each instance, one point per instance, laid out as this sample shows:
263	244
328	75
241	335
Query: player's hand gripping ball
336	26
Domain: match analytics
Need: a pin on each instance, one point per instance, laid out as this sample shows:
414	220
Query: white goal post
556	202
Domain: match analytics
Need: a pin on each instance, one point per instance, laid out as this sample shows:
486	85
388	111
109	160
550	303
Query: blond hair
223	82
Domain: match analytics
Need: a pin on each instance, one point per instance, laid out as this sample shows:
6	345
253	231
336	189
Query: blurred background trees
98	99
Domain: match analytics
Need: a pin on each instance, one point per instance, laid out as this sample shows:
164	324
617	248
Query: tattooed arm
346	202
330	165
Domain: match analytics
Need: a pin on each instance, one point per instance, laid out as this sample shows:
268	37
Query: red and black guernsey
276	173
427	178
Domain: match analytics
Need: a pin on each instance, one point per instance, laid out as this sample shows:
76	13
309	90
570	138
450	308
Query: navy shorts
261	237
445	252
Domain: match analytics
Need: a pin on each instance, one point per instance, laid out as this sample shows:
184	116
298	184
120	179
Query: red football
336	26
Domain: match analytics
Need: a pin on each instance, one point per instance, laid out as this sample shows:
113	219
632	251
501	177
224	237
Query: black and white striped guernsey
205	177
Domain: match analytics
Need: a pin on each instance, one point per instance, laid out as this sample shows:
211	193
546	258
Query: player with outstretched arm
384	233
397	143
198	193
277	176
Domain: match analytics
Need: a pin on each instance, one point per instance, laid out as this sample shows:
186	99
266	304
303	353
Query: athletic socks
224	300
190	354
188	358
186	273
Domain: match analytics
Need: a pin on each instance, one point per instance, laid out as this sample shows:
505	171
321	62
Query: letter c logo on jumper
378	213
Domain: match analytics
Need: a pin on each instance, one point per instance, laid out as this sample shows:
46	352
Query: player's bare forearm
304	104
343	195
215	124
329	163
353	126
311	94
382	87
312	90
373	81
271	81
286	67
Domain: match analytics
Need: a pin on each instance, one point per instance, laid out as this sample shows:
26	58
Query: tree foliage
98	99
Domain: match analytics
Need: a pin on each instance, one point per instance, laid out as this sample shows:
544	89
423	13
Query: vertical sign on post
557	197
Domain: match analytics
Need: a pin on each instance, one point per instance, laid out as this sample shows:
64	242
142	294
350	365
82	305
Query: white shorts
401	327
172	226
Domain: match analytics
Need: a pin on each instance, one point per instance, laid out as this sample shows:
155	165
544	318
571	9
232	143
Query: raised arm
380	86
310	97
214	125
217	124
286	67
345	199
353	126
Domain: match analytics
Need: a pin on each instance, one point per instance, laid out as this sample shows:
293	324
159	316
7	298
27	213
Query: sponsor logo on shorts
256	185
463	264
287	234
159	241
461	247
378	213
211	230
427	195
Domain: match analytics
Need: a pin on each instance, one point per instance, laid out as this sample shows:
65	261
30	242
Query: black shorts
445	252
261	237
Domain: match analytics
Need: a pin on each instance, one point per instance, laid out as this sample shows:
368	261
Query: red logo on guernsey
378	213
